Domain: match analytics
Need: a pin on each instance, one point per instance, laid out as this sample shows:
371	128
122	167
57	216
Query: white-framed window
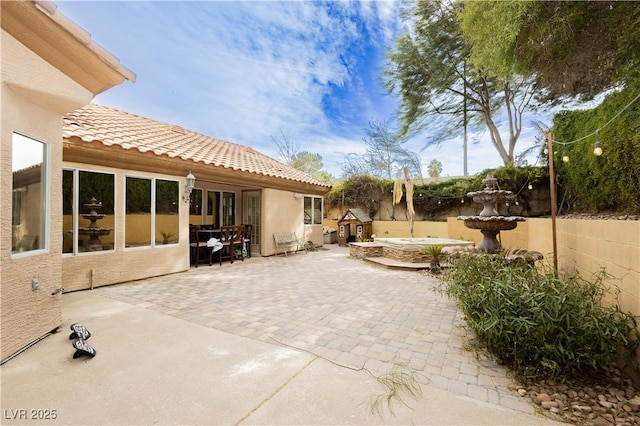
228	208
219	208
88	211
151	212
30	207
313	210
195	207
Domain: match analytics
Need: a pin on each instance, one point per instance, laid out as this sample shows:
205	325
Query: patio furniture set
230	242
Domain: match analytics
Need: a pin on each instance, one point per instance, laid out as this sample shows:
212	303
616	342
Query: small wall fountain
489	222
93	230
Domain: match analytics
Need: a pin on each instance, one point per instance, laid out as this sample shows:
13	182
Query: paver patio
278	340
337	307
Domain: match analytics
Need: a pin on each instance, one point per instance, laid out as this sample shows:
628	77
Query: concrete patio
278	340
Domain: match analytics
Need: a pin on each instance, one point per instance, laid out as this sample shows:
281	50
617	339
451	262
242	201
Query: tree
435	168
569	48
384	154
428	69
353	165
308	162
286	148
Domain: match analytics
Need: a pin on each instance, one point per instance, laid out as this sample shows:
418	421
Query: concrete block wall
583	246
587	246
400	229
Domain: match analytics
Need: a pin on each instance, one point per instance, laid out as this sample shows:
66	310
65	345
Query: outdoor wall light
297	195
188	187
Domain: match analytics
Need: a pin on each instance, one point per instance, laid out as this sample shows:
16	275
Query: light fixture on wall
297	195
188	187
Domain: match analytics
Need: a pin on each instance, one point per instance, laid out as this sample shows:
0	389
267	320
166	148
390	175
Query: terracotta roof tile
111	126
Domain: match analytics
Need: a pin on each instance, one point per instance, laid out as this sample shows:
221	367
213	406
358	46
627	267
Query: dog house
355	226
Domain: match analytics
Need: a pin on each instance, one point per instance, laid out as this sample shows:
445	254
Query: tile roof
111	126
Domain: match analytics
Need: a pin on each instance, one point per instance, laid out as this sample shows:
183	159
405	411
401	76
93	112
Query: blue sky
249	71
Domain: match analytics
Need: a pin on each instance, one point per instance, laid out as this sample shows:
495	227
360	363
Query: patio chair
247	238
196	247
233	242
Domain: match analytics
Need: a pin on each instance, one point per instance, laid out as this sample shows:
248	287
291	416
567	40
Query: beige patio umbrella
397	188
408	184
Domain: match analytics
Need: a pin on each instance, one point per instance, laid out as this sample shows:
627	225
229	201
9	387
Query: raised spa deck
400	253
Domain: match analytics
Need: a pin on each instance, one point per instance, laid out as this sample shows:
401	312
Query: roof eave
63	44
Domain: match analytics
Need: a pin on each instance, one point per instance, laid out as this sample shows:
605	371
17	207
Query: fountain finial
490	183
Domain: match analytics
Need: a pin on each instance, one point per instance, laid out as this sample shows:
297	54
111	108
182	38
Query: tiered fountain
489	222
93	230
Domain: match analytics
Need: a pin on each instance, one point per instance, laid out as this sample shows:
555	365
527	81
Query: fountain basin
94	231
491	223
489	226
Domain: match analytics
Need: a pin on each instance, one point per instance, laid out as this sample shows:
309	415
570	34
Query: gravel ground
611	400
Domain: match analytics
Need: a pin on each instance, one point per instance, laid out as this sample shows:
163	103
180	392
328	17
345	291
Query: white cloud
244	71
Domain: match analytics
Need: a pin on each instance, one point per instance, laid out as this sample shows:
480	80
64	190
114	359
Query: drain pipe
92	276
10	357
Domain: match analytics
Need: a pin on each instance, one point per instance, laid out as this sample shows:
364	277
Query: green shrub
436	198
539	324
435	251
610	182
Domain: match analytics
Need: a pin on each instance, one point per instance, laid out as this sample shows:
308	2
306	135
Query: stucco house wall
150	148
287	217
95	269
34	97
49	67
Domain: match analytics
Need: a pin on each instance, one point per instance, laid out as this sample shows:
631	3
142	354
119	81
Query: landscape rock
614	400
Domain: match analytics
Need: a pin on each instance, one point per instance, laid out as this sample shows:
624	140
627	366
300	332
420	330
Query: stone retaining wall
408	256
362	250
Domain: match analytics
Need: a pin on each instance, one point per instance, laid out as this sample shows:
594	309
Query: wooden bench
285	240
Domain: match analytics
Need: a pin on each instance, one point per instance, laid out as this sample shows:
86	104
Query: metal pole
464	81
552	190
